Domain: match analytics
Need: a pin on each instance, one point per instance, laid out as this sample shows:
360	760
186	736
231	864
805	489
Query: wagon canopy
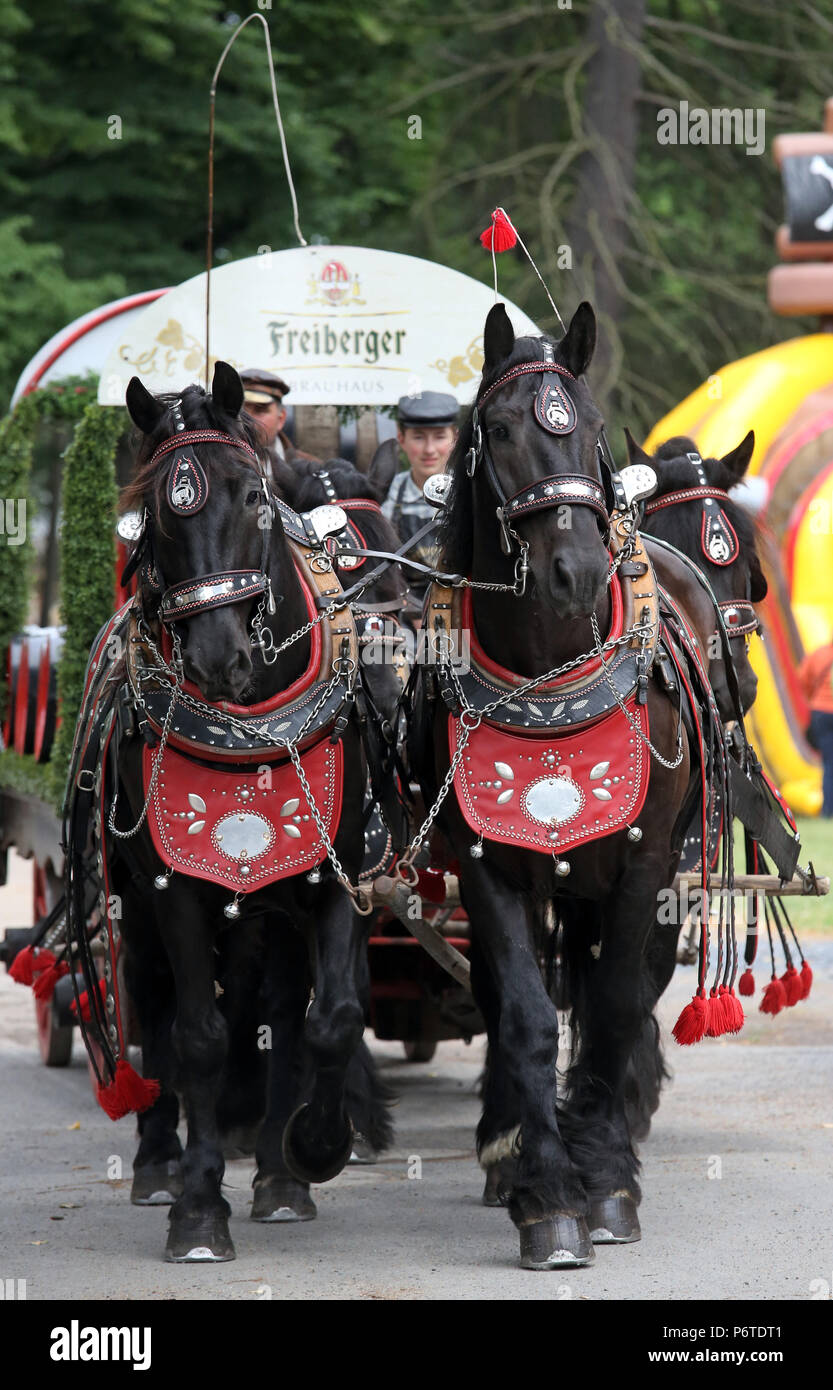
344	325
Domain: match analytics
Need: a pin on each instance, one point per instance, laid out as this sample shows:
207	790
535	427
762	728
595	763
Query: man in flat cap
427	431
263	394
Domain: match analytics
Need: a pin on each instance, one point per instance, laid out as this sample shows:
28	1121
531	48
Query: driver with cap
427	432
263	395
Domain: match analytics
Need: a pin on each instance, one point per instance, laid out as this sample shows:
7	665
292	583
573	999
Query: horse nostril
240	665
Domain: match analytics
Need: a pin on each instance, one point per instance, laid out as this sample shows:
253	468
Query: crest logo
335	286
187	484
718	539
554	409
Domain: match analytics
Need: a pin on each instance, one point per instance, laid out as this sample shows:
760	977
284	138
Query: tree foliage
502	97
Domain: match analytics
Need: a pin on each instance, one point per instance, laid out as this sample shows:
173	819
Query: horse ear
636	454
383	467
577	346
737	460
498	337
226	389
144	409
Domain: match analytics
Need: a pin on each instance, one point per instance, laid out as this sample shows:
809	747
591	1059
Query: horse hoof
282	1199
613	1220
313	1164
362	1151
558	1242
498	1184
200	1240
157	1184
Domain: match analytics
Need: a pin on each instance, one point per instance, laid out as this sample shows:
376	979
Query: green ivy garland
88	552
88	557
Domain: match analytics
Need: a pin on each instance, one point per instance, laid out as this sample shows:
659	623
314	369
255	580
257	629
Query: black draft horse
303	484
306	934
574	1169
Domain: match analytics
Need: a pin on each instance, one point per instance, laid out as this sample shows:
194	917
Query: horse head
693	510
208	518
529	456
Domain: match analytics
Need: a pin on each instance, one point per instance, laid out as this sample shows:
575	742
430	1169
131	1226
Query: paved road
738	1185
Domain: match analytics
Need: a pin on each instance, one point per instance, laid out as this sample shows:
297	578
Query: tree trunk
598	222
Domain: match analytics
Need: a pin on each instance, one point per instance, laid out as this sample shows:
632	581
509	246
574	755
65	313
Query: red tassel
86	1016
715	1016
44	986
505	236
22	968
791	980
746	984
734	1010
774	998
691	1025
806	980
127	1091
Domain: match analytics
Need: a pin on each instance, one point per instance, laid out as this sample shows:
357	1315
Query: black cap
429	409
261	386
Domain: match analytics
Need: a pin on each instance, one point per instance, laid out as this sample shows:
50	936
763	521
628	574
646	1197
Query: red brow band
525	369
186	437
688	494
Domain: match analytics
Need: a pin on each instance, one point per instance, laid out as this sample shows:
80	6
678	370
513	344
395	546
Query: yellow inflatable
769	392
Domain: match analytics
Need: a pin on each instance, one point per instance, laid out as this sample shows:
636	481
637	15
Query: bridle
187	490
555	412
718	541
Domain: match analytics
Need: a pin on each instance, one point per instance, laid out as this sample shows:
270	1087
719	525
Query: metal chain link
157	764
284	745
666	762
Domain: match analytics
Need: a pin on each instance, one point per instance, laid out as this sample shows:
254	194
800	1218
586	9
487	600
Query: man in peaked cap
427	431
263	394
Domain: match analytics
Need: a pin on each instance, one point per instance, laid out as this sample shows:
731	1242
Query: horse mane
674	471
300	485
456	530
199	413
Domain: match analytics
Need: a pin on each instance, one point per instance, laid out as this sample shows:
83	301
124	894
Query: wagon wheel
419	1049
54	1038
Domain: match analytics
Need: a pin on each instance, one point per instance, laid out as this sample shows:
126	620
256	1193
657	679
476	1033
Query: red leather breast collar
502	673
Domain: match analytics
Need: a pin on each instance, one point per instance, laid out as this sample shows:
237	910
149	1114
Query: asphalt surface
737	1180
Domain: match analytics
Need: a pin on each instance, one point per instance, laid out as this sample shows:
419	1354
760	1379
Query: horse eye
499	431
252	497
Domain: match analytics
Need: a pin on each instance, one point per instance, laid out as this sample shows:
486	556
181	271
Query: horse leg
157	1167
278	1195
368	1097
547	1202
646	1066
318	1138
242	1100
497	1131
199	1218
617	1005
